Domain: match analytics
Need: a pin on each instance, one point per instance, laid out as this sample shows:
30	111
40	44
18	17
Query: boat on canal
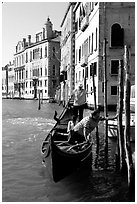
112	124
60	157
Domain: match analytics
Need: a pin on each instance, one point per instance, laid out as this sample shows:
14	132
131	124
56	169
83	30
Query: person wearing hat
79	97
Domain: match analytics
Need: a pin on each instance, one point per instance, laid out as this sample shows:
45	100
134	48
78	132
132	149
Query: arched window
117	35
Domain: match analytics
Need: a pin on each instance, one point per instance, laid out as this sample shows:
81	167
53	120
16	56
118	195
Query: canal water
25	179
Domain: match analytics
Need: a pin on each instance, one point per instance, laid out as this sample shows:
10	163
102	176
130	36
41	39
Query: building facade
5	81
37	64
96	21
67	71
11	78
8	80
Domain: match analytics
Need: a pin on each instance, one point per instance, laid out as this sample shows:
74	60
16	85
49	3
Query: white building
67	53
37	64
4	82
96	21
11	77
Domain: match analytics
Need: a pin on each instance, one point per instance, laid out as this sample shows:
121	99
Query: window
41	71
54	83
26	74
40	83
93	67
45	83
53	50
26	57
76	78
86	72
91	90
45	71
102	87
117	35
46	51
54	70
113	90
22	74
41	52
92	43
76	55
83	73
85	48
114	67
79	75
30	56
87	88
76	26
96	38
89	44
79	54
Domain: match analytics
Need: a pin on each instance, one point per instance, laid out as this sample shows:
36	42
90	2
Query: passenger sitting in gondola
71	125
82	130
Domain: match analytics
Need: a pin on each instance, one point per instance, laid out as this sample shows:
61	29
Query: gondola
60	157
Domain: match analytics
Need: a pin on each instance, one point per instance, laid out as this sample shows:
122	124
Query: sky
20	19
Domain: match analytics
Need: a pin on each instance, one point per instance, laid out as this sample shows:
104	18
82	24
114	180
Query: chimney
24	42
43	33
29	40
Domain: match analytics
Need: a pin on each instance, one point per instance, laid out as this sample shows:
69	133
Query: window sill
116	47
114	75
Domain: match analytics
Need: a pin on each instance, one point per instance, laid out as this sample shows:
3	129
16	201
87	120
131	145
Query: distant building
95	21
5	81
11	78
37	64
67	71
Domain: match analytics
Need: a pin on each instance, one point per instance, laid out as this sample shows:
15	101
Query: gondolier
79	97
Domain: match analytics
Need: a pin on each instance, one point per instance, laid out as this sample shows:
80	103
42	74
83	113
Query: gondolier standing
79	97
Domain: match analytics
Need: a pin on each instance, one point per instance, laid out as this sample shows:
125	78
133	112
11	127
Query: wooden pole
127	146
39	101
105	101
42	98
95	102
120	147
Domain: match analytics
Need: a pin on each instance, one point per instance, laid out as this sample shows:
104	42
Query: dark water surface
25	179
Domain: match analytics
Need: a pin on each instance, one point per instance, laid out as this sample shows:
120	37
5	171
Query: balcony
84	61
84	23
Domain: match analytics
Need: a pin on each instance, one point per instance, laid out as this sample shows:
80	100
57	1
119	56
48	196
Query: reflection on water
25	179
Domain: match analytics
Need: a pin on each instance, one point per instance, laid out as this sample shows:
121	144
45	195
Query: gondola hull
62	158
63	163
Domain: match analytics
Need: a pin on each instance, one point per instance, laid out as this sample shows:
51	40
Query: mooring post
105	100
42	98
95	102
120	139
127	146
39	106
